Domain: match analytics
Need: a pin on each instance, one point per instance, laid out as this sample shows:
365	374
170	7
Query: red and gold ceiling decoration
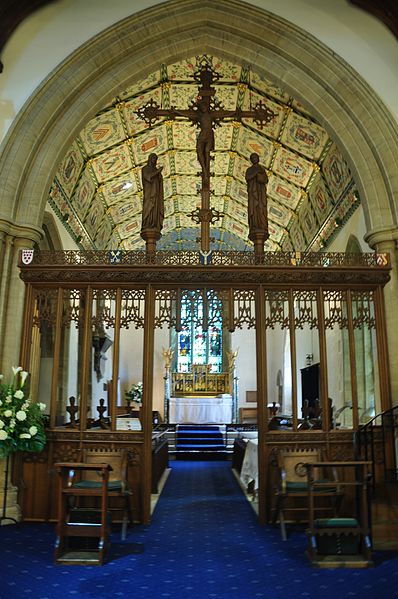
97	189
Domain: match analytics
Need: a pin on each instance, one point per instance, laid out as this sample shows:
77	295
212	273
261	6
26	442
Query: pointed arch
353	245
342	102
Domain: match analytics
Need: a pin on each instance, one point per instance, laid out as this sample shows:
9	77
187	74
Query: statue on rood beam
256	179
153	200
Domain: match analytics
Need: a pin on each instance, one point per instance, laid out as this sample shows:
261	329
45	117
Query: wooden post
112	411
85	358
57	351
26	340
259	238
262	401
151	236
353	366
382	351
147	377
326	416
293	358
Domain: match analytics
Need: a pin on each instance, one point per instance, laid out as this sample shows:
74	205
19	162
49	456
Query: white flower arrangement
135	393
21	420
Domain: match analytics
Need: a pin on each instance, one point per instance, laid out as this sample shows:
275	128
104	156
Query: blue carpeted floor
203	543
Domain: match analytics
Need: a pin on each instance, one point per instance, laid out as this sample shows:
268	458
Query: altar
201	410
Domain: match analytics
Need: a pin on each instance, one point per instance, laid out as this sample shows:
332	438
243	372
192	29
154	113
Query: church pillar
5	257
12	291
386	242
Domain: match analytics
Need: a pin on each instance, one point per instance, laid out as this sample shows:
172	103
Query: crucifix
206	112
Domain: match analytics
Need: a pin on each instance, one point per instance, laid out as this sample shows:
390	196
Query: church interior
182	329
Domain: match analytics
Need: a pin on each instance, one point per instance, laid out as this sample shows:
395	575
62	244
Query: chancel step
200	442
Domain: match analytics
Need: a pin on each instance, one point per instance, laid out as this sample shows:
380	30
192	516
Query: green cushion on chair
299	487
336	523
296	487
113	485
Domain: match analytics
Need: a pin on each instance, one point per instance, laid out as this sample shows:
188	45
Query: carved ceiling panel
97	189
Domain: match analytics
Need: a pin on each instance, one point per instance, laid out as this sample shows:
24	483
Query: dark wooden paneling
37	481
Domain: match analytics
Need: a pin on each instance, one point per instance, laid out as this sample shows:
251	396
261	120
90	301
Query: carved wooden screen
103	329
331	333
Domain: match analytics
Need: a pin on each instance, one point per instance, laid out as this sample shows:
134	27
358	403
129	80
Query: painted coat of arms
27	256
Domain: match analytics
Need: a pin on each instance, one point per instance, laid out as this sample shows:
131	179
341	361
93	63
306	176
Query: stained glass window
196	346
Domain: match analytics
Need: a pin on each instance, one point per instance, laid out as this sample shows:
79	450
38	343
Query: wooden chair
292	491
117	485
344	541
82	535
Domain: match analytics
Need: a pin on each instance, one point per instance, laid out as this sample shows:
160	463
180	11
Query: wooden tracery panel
305	309
45	307
363	309
132	309
103	313
335	303
244	308
73	307
165	308
276	309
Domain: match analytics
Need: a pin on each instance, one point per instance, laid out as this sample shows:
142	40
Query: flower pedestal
10	510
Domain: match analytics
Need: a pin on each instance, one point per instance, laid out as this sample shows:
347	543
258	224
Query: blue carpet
203	543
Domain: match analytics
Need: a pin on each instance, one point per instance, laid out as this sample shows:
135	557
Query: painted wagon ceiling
97	190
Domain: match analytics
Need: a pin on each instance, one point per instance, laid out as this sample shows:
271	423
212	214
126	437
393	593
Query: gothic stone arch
337	96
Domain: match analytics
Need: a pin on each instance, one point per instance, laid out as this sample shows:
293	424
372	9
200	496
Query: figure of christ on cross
206	112
205	140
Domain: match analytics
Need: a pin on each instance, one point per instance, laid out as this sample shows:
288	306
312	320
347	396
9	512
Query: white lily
24	376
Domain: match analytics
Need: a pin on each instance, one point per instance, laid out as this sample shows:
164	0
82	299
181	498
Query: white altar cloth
200	410
249	472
